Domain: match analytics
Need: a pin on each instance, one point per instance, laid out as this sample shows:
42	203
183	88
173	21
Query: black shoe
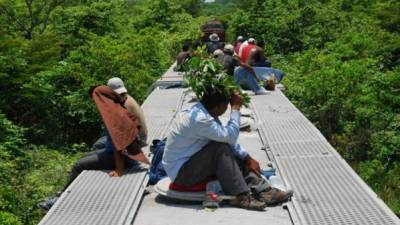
48	203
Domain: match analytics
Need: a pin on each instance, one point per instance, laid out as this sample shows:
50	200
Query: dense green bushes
29	173
341	58
49	74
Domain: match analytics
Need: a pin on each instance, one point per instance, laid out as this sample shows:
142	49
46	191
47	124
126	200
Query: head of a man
228	49
261	43
185	47
217	53
251	41
214	37
215	101
117	85
240	39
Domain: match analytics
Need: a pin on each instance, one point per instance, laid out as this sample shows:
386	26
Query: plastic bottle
269	170
211	201
276	182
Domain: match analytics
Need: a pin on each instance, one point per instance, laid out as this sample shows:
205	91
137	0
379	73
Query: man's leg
245	79
214	159
261	188
95	160
217	159
264	72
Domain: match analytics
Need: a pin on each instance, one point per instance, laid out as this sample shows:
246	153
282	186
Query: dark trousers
215	158
96	160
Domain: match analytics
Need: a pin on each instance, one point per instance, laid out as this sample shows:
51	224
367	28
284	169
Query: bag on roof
157	171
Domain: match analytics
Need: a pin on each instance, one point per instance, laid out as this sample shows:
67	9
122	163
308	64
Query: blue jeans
264	72
244	78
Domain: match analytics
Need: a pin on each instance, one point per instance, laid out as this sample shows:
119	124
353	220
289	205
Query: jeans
264	72
244	78
99	159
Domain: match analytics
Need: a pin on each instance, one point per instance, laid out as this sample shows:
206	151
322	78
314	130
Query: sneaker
246	201
48	203
262	91
274	196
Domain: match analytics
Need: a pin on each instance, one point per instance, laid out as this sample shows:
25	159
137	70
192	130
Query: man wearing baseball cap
117	85
126	134
214	43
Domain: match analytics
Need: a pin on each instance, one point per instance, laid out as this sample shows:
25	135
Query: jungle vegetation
341	58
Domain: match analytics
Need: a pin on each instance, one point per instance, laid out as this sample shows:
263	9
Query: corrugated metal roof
327	190
96	198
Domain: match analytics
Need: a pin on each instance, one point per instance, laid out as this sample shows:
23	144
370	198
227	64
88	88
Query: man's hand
253	166
115	173
236	101
140	157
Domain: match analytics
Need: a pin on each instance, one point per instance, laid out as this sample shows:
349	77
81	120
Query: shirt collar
201	107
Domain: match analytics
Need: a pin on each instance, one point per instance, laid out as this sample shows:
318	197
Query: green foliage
9	219
203	72
84	45
29	174
28	17
341	59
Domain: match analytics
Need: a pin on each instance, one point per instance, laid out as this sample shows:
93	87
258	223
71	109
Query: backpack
157	171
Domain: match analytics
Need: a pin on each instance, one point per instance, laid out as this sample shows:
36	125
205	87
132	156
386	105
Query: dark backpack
157	171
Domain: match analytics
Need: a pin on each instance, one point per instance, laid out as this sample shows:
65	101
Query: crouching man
199	146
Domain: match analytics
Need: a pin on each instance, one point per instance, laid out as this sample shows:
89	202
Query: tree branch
11	16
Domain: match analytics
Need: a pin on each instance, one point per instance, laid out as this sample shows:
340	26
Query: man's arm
239	152
249	68
119	164
213	130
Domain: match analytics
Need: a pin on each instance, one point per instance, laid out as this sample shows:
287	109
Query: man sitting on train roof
238	43
245	49
126	134
254	56
214	43
199	146
231	61
182	57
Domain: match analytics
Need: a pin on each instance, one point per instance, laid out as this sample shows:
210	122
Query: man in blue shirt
199	146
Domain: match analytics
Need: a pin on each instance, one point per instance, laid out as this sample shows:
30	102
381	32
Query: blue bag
157	171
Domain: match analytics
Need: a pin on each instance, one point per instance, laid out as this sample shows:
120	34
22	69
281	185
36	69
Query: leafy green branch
202	72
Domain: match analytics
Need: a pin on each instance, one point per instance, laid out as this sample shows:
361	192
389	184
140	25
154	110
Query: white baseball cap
117	85
251	40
